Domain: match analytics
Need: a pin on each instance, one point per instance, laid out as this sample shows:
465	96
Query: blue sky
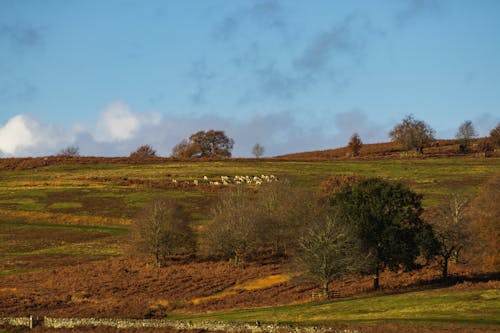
295	75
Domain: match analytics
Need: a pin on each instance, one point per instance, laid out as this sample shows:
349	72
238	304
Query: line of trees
414	134
411	134
367	225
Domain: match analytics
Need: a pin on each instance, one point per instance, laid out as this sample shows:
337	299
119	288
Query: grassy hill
70	218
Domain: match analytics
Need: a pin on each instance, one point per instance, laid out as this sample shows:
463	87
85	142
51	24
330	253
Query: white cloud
118	123
16	134
24	136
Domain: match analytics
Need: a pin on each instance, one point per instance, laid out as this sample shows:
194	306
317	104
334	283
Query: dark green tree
386	217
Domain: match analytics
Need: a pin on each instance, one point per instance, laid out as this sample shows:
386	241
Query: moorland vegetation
146	236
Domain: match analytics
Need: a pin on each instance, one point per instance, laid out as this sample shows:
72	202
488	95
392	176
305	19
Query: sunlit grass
446	306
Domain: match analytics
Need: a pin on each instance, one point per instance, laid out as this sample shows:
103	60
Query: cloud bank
118	130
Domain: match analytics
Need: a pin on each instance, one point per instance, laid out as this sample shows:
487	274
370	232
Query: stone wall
175	324
19	321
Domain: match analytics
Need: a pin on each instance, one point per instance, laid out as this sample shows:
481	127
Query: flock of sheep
226	180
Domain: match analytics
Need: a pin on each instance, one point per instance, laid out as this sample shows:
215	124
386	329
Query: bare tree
280	212
355	144
70	151
465	133
232	233
163	230
328	250
143	151
412	134
451	227
257	150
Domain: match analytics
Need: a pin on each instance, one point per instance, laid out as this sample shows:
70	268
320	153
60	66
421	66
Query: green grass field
434	306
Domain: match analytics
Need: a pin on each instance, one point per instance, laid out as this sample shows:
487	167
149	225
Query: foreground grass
436	306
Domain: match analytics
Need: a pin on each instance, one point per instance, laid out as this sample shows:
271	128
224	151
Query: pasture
65	229
81	211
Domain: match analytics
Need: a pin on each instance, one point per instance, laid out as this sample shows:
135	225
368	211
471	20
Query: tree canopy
163	230
143	152
387	219
355	144
412	134
203	144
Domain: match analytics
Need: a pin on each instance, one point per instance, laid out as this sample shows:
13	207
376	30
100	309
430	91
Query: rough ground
134	288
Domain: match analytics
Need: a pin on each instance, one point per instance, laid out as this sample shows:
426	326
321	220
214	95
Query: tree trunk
445	269
376	277
325	288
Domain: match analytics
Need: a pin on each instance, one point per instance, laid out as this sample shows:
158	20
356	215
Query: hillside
386	150
64	231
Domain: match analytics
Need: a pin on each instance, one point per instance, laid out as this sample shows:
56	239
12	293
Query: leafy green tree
386	217
412	134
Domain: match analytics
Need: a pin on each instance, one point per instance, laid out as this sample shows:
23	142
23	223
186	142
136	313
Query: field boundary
69	323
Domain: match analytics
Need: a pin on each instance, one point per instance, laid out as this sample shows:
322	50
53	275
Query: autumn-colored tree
355	144
143	151
180	150
334	184
162	230
485	223
205	144
495	135
465	133
412	134
485	147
